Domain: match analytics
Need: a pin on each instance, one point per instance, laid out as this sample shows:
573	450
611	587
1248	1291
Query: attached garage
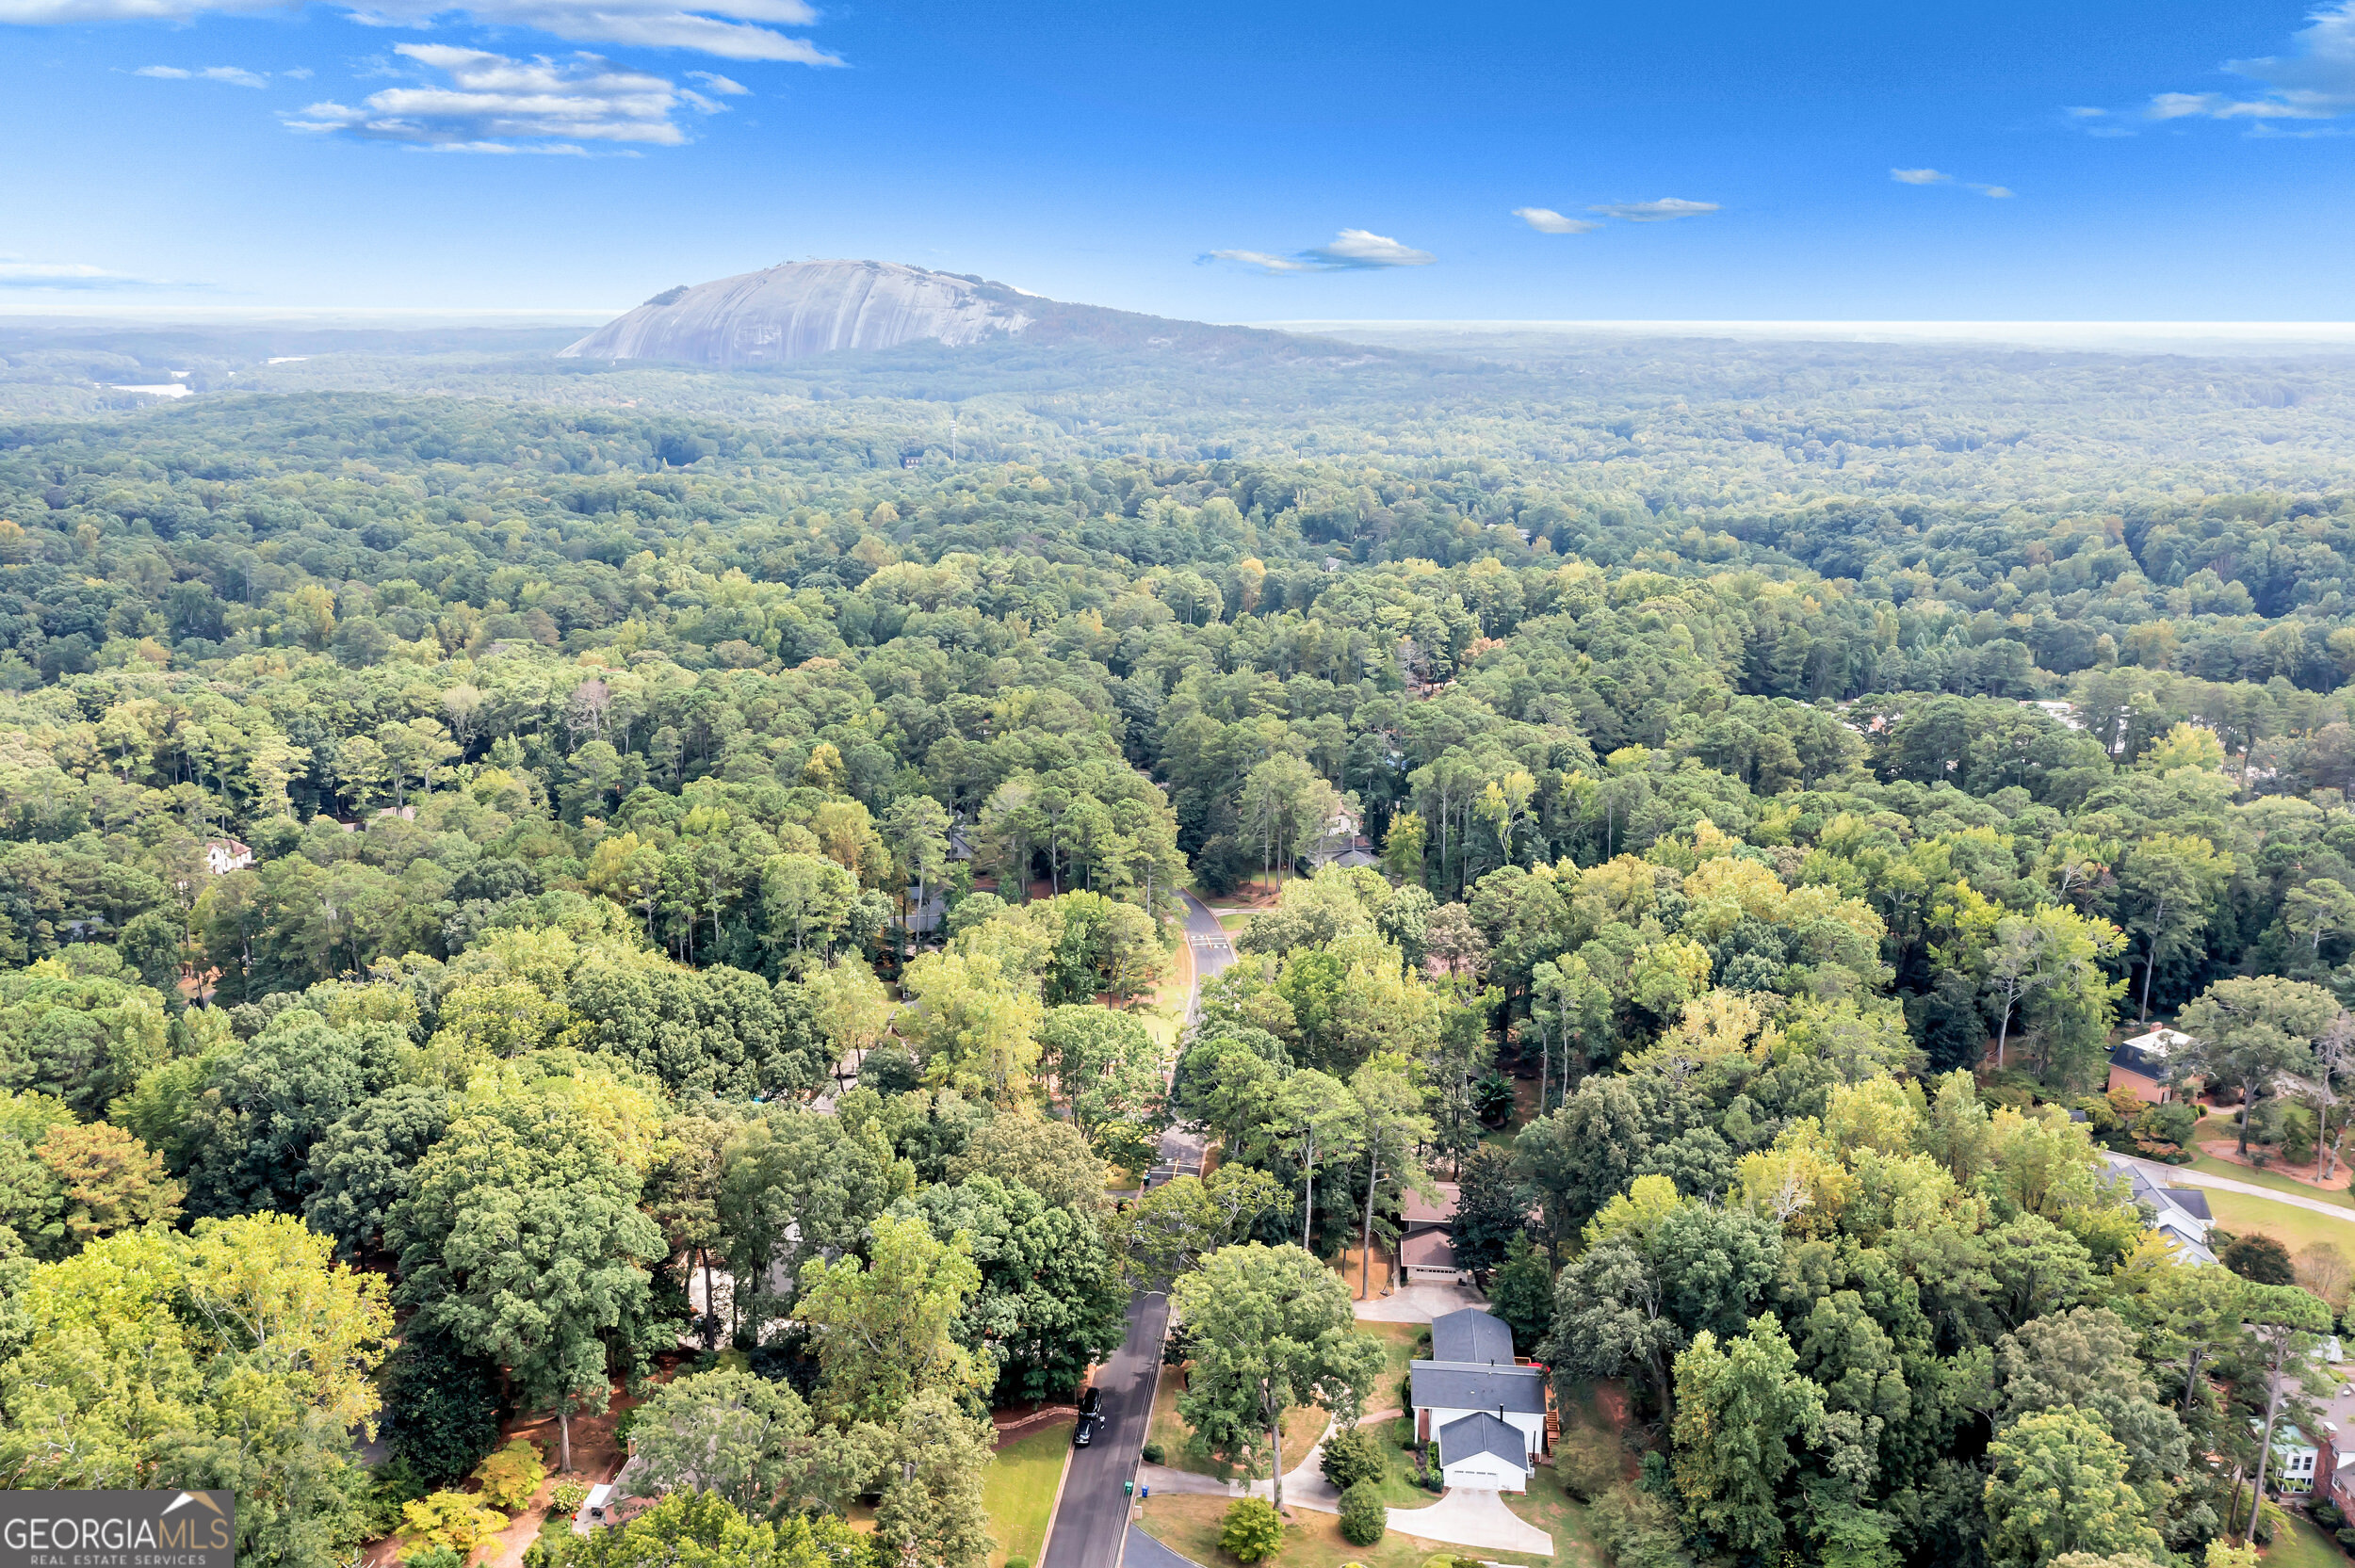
1482	1451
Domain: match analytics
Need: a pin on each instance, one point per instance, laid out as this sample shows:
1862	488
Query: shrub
2259	1258
1638	1530
446	1521
1252	1531
512	1476
436	1556
1363	1518
442	1407
395	1483
1154	1454
1351	1457
1588	1462
2346	1539
566	1496
1017	1562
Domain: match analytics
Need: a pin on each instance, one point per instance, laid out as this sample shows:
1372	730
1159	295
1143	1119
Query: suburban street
1094	1514
1091	1520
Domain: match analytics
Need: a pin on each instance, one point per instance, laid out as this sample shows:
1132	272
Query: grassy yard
1019	1491
1398	1480
1191	1524
2307	1547
2294	1228
1552	1510
2272	1181
1303	1426
1398	1348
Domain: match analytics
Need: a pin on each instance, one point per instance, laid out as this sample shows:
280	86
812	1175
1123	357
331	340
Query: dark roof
1416	1211
2132	1061
1465	1385
1483	1433
1471	1335
2191	1201
1429	1250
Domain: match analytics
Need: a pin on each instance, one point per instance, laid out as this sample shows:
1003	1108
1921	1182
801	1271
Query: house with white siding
1473	1372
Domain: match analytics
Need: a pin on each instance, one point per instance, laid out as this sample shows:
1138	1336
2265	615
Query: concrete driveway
1471	1516
1419	1303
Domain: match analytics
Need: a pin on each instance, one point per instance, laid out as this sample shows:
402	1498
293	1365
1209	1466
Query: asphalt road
1212	950
1092	1521
1094	1516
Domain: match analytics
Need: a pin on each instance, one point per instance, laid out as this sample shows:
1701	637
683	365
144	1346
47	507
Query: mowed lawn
1019	1491
2209	1166
1190	1526
2293	1227
2307	1547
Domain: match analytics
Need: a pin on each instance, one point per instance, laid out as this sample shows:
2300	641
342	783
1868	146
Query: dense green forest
455	816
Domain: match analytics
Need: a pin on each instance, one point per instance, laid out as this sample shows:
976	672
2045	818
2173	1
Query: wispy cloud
1547	222
1351	250
2316	80
1667	209
16	273
494	104
731	29
713	82
233	75
1938	177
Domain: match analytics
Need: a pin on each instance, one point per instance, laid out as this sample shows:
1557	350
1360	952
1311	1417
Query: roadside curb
1055	1506
1136	1511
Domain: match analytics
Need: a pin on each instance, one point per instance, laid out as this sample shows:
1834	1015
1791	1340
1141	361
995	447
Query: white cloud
1356	250
732	30
1662	211
1938	177
1352	251
493	103
1264	260
2081	111
2315	81
713	82
233	75
300	74
15	272
1547	222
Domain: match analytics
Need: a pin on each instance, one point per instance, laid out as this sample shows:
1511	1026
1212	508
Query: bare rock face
805	308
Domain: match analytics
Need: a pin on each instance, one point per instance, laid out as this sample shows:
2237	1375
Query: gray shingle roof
1483	1433
1470	1334
1463	1385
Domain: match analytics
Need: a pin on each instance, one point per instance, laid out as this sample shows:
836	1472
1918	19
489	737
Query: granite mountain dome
801	309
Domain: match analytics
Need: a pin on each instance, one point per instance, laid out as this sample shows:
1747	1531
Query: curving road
1091	1524
2178	1175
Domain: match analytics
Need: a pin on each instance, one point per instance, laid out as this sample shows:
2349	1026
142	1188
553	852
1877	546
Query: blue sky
2091	159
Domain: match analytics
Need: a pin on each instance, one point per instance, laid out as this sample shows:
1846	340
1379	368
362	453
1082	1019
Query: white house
2295	1457
1471	1372
224	855
2180	1215
1479	1451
